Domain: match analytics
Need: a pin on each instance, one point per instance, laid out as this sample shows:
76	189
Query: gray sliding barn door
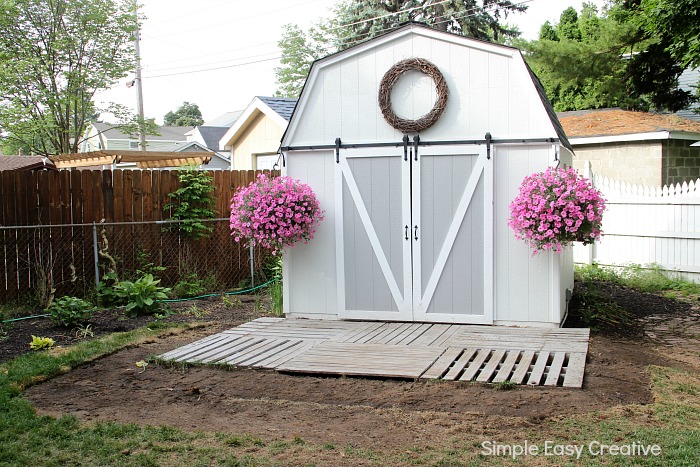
415	234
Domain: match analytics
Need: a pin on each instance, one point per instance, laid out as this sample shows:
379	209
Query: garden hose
172	300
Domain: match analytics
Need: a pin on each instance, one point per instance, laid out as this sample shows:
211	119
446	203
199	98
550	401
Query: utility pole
138	81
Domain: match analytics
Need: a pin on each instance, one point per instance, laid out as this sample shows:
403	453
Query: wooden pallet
486	354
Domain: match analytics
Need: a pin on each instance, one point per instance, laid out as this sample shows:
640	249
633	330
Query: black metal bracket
337	150
416	140
405	147
488	145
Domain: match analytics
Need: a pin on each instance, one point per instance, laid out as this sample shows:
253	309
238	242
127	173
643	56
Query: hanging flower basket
555	208
274	213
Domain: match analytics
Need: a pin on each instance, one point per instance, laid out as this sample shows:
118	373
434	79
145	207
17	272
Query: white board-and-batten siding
526	288
489	92
492	91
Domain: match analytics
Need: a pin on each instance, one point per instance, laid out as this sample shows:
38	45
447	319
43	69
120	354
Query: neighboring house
25	163
253	140
225	120
635	147
688	81
103	136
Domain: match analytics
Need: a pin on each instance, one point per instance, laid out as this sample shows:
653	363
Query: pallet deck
456	352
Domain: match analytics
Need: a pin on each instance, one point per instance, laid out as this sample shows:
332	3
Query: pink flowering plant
555	208
275	213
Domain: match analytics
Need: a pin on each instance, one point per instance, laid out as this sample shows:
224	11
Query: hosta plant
41	343
275	213
142	296
555	208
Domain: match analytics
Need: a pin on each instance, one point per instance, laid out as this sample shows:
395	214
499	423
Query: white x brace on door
415	234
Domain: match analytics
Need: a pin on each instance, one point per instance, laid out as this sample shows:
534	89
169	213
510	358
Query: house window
133	145
266	161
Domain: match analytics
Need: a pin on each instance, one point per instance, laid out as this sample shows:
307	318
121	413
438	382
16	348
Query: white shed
415	224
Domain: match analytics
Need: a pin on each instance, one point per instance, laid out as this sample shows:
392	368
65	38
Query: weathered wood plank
209	349
507	366
575	370
229	349
193	345
442	364
538	369
522	367
432	333
491	366
471	371
555	369
284	357
460	364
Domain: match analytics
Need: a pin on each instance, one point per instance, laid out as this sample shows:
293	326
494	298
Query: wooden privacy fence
648	226
53	224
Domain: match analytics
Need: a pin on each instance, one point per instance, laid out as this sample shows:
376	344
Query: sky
219	54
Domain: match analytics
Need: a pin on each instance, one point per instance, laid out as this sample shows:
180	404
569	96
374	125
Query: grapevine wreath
389	80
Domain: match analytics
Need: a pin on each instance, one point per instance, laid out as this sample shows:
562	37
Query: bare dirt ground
376	413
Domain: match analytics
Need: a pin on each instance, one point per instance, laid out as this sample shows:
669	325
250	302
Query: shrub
275	213
555	208
71	311
105	291
142	296
193	201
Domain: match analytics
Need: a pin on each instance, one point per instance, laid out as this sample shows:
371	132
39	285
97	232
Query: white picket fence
643	225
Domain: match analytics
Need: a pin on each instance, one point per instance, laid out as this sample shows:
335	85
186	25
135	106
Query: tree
186	115
299	50
357	21
676	23
589	61
54	56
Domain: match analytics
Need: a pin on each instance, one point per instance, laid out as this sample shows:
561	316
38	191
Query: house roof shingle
25	163
614	122
282	105
212	135
167	133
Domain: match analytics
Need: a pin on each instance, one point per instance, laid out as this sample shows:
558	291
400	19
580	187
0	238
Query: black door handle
406	232
415	232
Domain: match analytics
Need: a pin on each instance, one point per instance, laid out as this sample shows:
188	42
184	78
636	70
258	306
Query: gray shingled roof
282	105
167	133
212	135
25	163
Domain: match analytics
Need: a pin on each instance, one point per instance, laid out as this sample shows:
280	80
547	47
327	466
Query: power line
328	49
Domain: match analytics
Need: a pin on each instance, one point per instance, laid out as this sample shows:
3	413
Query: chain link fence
40	261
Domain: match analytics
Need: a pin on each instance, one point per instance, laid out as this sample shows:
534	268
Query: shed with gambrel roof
416	224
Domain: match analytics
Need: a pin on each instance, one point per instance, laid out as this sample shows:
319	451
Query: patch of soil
637	305
377	413
16	336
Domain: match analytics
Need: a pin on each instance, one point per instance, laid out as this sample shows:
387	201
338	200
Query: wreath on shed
389	80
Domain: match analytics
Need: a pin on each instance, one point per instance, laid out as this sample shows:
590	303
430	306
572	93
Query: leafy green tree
299	50
186	115
675	24
355	21
548	32
590	61
54	56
